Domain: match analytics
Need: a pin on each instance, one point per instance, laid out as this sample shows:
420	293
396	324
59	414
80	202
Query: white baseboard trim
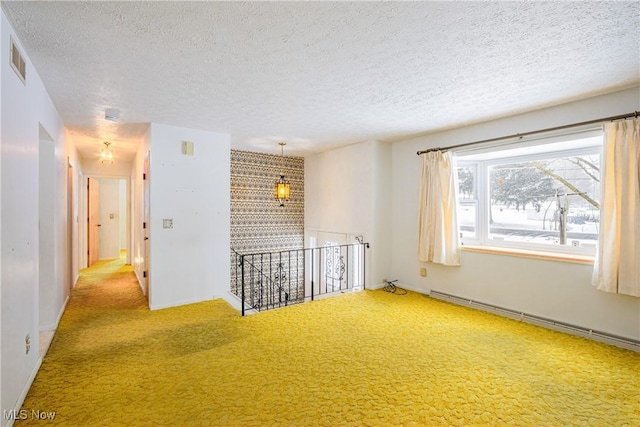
139	282
54	326
25	390
177	303
232	299
607	338
400	285
411	288
48	327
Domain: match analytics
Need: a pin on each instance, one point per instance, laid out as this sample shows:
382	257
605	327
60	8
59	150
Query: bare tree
587	167
567	184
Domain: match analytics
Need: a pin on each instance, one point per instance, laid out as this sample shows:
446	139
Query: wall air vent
17	62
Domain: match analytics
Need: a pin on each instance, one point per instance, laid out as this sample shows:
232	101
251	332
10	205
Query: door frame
93	220
146	228
71	218
83	215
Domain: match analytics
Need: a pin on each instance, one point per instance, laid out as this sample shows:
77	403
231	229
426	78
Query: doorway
108	219
145	226
46	224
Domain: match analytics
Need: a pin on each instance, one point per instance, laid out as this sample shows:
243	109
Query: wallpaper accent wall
258	223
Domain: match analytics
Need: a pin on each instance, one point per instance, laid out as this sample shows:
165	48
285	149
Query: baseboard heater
616	340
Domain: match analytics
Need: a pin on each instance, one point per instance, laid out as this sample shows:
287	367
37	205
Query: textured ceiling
319	74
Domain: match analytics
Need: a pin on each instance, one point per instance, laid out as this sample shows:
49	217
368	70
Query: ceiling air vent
17	62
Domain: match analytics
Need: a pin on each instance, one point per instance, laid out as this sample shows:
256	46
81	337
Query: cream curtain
617	266
438	239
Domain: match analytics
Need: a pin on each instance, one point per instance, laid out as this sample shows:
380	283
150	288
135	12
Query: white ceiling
319	74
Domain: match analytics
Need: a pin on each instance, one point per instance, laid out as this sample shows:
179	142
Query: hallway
110	354
84	345
110	281
108	284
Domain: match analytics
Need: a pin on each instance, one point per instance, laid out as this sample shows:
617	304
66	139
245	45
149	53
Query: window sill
522	253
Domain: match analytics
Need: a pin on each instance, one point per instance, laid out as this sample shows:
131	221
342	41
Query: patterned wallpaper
258	223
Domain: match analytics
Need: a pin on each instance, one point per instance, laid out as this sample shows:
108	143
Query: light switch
187	148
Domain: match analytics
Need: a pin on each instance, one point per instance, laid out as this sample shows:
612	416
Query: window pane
466	182
553	201
467	219
467	201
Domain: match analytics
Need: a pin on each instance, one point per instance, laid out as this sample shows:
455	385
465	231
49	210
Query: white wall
189	262
23	110
556	290
94	168
2	72
381	211
109	212
346	191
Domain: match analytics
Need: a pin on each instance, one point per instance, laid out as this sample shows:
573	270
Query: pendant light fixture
282	188
106	155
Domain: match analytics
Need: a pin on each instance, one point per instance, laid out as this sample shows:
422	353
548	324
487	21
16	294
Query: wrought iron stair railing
268	280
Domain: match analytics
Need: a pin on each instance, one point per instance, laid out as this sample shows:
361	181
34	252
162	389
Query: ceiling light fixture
106	155
282	189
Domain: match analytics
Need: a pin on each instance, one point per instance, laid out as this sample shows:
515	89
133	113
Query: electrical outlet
27	344
423	272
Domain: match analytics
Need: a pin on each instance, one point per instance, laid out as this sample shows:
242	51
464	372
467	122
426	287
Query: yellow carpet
364	359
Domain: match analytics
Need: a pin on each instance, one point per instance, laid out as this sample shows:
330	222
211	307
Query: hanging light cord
282	144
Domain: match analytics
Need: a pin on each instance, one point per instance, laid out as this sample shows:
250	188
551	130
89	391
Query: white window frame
481	189
475	165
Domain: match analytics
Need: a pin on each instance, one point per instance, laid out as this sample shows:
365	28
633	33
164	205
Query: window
468	201
340	260
544	196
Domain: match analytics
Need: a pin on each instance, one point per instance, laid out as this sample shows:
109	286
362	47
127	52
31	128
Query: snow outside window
544	197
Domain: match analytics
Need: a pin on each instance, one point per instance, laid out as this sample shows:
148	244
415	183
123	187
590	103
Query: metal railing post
364	265
242	278
313	263
304	274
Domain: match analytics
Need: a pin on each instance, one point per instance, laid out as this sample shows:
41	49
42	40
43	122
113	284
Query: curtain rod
533	132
